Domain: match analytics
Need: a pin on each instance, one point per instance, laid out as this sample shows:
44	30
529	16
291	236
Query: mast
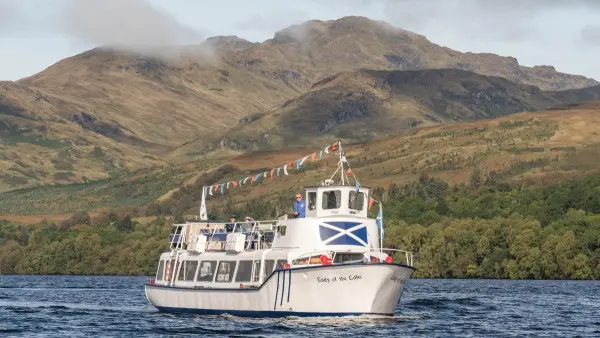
341	154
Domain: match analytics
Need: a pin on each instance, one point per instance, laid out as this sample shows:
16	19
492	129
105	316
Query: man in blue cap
299	206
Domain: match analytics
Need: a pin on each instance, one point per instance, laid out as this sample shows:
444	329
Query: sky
34	34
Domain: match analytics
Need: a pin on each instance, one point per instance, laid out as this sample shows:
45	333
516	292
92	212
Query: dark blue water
77	306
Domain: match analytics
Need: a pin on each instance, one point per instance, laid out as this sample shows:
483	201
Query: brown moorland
105	111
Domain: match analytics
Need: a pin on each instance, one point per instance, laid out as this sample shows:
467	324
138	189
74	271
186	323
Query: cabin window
161	267
256	275
332	199
190	270
312	200
356	200
244	271
207	271
225	271
187	270
280	263
347	257
268	268
307	260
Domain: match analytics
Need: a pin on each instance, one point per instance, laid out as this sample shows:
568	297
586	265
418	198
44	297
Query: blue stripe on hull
265	314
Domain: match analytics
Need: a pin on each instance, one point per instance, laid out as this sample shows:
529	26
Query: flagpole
381	229
341	162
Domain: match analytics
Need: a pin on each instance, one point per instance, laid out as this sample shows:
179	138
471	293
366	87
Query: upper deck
336	215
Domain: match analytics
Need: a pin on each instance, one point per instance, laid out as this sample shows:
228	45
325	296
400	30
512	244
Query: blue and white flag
379	220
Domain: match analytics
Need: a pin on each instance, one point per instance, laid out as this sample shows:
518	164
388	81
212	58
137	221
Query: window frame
356	200
212	271
248	278
325	198
229	273
160	273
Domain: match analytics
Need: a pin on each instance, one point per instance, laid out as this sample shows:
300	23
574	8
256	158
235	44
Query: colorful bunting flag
276	171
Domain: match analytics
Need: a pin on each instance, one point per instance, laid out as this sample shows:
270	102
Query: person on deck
299	207
231	225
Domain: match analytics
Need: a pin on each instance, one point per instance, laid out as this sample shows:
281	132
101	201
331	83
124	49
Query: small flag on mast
379	220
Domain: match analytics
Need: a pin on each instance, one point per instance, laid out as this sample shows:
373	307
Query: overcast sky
36	33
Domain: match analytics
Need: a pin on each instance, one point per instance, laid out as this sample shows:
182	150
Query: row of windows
206	271
333	199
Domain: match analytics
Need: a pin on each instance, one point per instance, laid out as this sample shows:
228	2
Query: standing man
299	206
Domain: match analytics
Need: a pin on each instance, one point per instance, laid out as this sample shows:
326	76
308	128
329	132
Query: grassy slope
370	104
538	148
99	112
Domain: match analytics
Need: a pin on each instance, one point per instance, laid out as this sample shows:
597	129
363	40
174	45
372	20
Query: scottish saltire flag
379	220
343	233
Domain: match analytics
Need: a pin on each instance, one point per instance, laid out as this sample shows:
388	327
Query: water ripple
78	306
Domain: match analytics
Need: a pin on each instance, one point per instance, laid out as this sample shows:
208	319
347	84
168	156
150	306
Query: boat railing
218	234
308	255
313	257
407	255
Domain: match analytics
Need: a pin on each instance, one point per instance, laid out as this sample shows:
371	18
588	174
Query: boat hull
331	290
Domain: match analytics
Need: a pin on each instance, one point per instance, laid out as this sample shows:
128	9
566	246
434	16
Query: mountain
106	110
368	104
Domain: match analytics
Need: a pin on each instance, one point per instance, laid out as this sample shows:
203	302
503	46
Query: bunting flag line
275	172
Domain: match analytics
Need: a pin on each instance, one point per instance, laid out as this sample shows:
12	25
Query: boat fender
389	259
286	266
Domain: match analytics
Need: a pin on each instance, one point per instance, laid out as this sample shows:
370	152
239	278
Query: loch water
102	306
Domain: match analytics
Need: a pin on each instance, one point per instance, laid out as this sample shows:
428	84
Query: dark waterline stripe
267	314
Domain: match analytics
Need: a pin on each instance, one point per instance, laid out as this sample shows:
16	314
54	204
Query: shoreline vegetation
483	229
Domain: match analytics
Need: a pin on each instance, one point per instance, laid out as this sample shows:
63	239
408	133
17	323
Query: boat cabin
327	201
335	230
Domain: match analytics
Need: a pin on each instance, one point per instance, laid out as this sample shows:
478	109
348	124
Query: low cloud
9	16
506	20
591	34
132	25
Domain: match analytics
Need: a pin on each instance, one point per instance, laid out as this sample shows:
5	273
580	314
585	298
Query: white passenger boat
328	263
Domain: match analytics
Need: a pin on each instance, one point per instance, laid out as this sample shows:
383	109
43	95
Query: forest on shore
482	229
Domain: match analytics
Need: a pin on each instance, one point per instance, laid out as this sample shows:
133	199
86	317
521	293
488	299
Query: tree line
482	229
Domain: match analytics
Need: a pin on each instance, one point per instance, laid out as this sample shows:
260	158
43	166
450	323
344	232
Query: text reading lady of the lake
338	279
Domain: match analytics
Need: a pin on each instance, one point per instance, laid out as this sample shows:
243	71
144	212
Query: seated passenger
299	207
231	225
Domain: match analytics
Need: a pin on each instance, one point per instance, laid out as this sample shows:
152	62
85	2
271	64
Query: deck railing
407	255
258	234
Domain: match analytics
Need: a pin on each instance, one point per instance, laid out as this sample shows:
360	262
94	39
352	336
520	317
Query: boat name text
397	279
338	279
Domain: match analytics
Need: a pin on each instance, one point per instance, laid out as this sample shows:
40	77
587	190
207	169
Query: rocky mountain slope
368	104
104	110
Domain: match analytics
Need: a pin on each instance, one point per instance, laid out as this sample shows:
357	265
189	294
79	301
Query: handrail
407	254
253	229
